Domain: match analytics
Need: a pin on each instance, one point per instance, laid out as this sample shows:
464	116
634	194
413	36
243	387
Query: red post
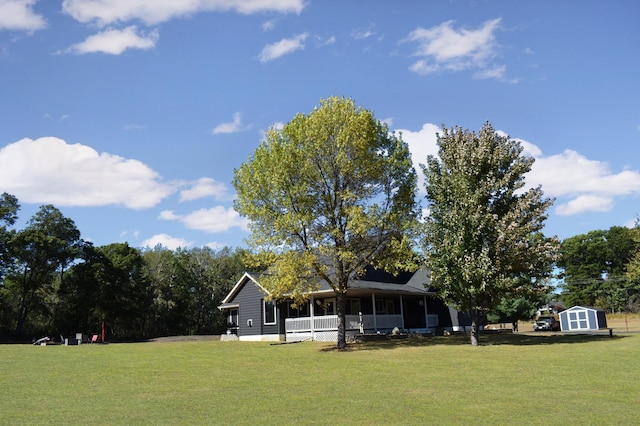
102	331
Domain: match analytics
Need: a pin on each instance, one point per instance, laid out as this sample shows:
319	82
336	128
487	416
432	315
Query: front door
414	313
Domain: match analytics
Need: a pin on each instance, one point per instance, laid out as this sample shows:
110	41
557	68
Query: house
580	318
377	302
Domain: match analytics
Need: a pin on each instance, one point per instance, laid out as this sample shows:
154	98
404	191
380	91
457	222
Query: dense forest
54	283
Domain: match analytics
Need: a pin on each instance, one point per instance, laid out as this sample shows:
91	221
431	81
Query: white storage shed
582	318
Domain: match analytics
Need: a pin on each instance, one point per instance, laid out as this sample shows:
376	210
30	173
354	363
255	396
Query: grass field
523	378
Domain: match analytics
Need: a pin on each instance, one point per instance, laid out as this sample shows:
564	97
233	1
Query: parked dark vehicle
546	323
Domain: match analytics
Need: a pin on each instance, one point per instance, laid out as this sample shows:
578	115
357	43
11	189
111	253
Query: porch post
426	312
375	321
312	307
402	311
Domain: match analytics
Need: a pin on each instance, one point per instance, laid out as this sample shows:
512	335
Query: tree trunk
341	304
475	321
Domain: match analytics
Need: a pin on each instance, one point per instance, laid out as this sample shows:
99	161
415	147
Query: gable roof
246	277
409	282
372	280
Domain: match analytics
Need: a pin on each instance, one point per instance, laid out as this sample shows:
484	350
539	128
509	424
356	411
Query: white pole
375	320
312	307
401	312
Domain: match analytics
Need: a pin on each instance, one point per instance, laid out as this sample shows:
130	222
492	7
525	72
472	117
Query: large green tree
483	236
188	285
328	194
40	254
633	270
109	285
9	207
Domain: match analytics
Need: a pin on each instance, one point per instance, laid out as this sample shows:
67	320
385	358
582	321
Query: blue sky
130	116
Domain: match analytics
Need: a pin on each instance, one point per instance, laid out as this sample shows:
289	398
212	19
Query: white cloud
268	25
151	12
585	203
168	215
282	47
497	72
321	42
213	220
166	241
49	170
214	245
421	144
363	33
204	187
114	42
19	15
590	185
444	48
578	183
232	127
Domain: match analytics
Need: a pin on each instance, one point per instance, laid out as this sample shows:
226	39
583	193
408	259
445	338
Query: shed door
578	320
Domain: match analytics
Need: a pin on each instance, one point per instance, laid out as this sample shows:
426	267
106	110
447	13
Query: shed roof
583	308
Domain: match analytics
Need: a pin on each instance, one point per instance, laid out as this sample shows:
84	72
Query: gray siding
250	298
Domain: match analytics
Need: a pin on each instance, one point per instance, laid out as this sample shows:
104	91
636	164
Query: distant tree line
52	282
601	269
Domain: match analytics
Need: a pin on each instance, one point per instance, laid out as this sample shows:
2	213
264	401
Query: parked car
546	323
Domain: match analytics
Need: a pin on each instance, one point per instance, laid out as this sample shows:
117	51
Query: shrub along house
378	302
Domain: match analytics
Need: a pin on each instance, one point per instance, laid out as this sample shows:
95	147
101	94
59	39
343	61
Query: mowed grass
510	379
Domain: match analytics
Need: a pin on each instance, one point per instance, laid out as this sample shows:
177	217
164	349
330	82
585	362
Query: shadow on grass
490	339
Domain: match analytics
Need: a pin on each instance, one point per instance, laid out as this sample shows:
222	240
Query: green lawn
510	379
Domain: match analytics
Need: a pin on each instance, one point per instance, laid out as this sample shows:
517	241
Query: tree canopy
596	269
482	236
52	282
328	194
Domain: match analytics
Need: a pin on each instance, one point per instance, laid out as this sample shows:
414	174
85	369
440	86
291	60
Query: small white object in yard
41	341
395	331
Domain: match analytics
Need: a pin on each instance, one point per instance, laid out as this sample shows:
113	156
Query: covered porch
370	314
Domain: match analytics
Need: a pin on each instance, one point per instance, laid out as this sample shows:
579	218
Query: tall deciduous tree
8	215
328	194
45	247
595	268
483	235
633	270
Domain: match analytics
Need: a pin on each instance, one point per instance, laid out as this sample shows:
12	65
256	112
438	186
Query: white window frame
264	312
577	319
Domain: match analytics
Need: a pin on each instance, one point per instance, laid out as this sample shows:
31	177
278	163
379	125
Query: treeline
602	269
53	283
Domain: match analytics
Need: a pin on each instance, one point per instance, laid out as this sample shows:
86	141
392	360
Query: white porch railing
352	322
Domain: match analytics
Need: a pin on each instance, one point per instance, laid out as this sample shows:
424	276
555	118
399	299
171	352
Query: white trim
262	338
241	282
264	312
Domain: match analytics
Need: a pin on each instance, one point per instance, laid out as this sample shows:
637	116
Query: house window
269	312
232	320
578	320
385	306
330	306
297	312
353	307
325	307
